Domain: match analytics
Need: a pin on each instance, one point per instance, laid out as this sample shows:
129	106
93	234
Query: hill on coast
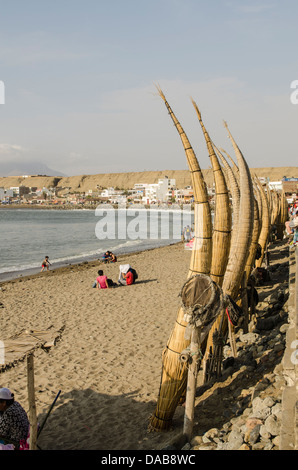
84	183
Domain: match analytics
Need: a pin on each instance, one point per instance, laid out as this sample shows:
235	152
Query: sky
80	82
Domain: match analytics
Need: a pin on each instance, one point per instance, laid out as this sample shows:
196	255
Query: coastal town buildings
164	191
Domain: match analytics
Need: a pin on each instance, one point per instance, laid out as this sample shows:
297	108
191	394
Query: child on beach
45	264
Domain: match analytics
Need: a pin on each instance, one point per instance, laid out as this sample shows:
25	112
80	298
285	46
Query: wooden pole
31	399
191	383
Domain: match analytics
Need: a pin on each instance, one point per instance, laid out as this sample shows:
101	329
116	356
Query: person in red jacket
129	278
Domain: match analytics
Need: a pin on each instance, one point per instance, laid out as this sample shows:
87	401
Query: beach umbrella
174	373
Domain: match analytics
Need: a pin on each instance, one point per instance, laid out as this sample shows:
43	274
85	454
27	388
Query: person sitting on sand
109	257
14	423
127	275
45	264
292	224
102	281
129	278
123	269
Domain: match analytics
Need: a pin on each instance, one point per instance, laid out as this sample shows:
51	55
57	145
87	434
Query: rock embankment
242	409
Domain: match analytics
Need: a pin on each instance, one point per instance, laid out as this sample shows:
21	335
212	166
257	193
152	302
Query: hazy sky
80	79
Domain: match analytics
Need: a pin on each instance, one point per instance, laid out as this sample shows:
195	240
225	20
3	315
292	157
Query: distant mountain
11	168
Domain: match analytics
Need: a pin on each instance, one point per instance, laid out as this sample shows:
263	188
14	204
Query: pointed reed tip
160	92
197	109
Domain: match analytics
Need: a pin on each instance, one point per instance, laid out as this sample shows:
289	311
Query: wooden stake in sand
32	405
194	358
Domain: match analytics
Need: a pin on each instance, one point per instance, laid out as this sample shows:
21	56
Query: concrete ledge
289	422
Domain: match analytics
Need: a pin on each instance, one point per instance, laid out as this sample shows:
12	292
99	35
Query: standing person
45	264
14	423
187	233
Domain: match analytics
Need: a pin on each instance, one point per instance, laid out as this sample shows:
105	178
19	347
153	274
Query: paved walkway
289	426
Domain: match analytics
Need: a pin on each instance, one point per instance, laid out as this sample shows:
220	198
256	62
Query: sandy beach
107	362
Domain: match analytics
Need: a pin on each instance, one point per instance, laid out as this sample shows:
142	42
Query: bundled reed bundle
273	205
174	373
238	256
254	241
234	167
270	198
235	193
265	229
221	235
222	224
282	216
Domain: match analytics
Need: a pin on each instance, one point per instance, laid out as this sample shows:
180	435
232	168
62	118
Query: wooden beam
31	400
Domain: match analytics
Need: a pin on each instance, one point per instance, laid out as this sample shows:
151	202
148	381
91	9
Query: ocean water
73	236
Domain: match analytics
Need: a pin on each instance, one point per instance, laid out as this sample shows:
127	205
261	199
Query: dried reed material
273	205
235	193
234	167
284	209
222	224
282	215
237	260
259	201
269	198
254	241
174	373
265	229
221	233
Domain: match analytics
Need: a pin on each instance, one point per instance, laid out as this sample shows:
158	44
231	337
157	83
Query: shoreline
93	207
25	274
90	254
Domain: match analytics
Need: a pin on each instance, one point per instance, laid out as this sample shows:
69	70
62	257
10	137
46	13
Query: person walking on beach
45	264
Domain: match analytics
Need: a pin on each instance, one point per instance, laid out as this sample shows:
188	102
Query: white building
165	189
277	185
5	194
115	196
149	196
